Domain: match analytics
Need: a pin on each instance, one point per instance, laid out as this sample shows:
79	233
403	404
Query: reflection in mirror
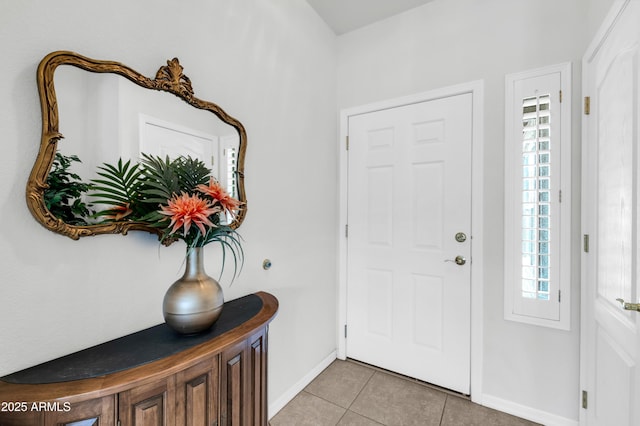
108	113
105	117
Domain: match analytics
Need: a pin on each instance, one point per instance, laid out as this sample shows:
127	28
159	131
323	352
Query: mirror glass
101	112
105	117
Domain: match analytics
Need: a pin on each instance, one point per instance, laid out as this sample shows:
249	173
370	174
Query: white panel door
409	194
162	138
610	179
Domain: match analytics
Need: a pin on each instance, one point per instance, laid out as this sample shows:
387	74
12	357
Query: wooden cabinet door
21	418
233	386
258	379
149	405
94	412
243	384
197	394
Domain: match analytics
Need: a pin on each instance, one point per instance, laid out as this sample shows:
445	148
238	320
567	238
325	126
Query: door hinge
585	243
345	331
118	422
347	143
560	196
584	399
346	231
587	105
559	296
561	96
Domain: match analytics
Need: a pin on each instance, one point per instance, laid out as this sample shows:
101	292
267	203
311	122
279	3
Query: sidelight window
537	172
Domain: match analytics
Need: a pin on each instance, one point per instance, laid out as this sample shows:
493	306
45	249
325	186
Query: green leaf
120	184
63	196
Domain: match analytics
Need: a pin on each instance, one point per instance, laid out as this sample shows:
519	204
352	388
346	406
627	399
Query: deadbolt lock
461	237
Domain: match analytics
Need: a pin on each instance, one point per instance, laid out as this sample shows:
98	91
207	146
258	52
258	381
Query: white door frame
476	88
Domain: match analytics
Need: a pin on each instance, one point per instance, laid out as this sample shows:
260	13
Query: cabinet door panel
243	384
21	418
234	386
258	377
98	412
148	405
198	395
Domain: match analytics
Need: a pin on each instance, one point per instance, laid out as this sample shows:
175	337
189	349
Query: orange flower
218	193
119	212
187	209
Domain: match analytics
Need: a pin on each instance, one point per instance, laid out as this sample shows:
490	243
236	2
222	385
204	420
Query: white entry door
163	138
611	350
409	240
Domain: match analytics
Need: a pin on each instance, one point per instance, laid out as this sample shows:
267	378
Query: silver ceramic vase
194	302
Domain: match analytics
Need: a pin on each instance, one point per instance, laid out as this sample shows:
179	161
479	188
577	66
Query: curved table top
153	351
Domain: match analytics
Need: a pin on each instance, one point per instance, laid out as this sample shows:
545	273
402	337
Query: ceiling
347	15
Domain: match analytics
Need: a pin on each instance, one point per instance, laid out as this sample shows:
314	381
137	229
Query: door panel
258	379
610	180
99	411
198	394
409	185
152	404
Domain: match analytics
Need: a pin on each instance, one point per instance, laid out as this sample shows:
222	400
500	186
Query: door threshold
411	379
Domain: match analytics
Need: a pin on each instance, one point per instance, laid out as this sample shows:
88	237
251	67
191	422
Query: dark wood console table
154	377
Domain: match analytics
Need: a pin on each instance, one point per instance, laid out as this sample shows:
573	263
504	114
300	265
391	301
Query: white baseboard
526	412
279	404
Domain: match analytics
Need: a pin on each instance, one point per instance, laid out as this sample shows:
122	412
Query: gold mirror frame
169	79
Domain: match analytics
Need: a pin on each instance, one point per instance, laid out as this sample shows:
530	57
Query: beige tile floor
350	393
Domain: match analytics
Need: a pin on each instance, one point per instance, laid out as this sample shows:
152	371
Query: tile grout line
341	417
374	371
361	389
377	370
325	400
444	407
347	409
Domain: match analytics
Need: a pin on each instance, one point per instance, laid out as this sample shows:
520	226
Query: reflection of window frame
538	208
228	167
229	164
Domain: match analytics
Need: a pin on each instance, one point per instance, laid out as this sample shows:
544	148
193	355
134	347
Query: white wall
598	9
528	369
269	64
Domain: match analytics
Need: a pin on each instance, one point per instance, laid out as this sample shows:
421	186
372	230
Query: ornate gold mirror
105	117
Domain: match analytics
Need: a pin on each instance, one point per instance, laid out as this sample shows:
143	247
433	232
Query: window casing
537	196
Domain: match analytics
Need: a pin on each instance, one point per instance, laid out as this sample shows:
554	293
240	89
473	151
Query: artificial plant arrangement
179	197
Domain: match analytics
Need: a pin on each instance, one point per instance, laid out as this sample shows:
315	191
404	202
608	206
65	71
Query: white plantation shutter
537	171
229	166
231	158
